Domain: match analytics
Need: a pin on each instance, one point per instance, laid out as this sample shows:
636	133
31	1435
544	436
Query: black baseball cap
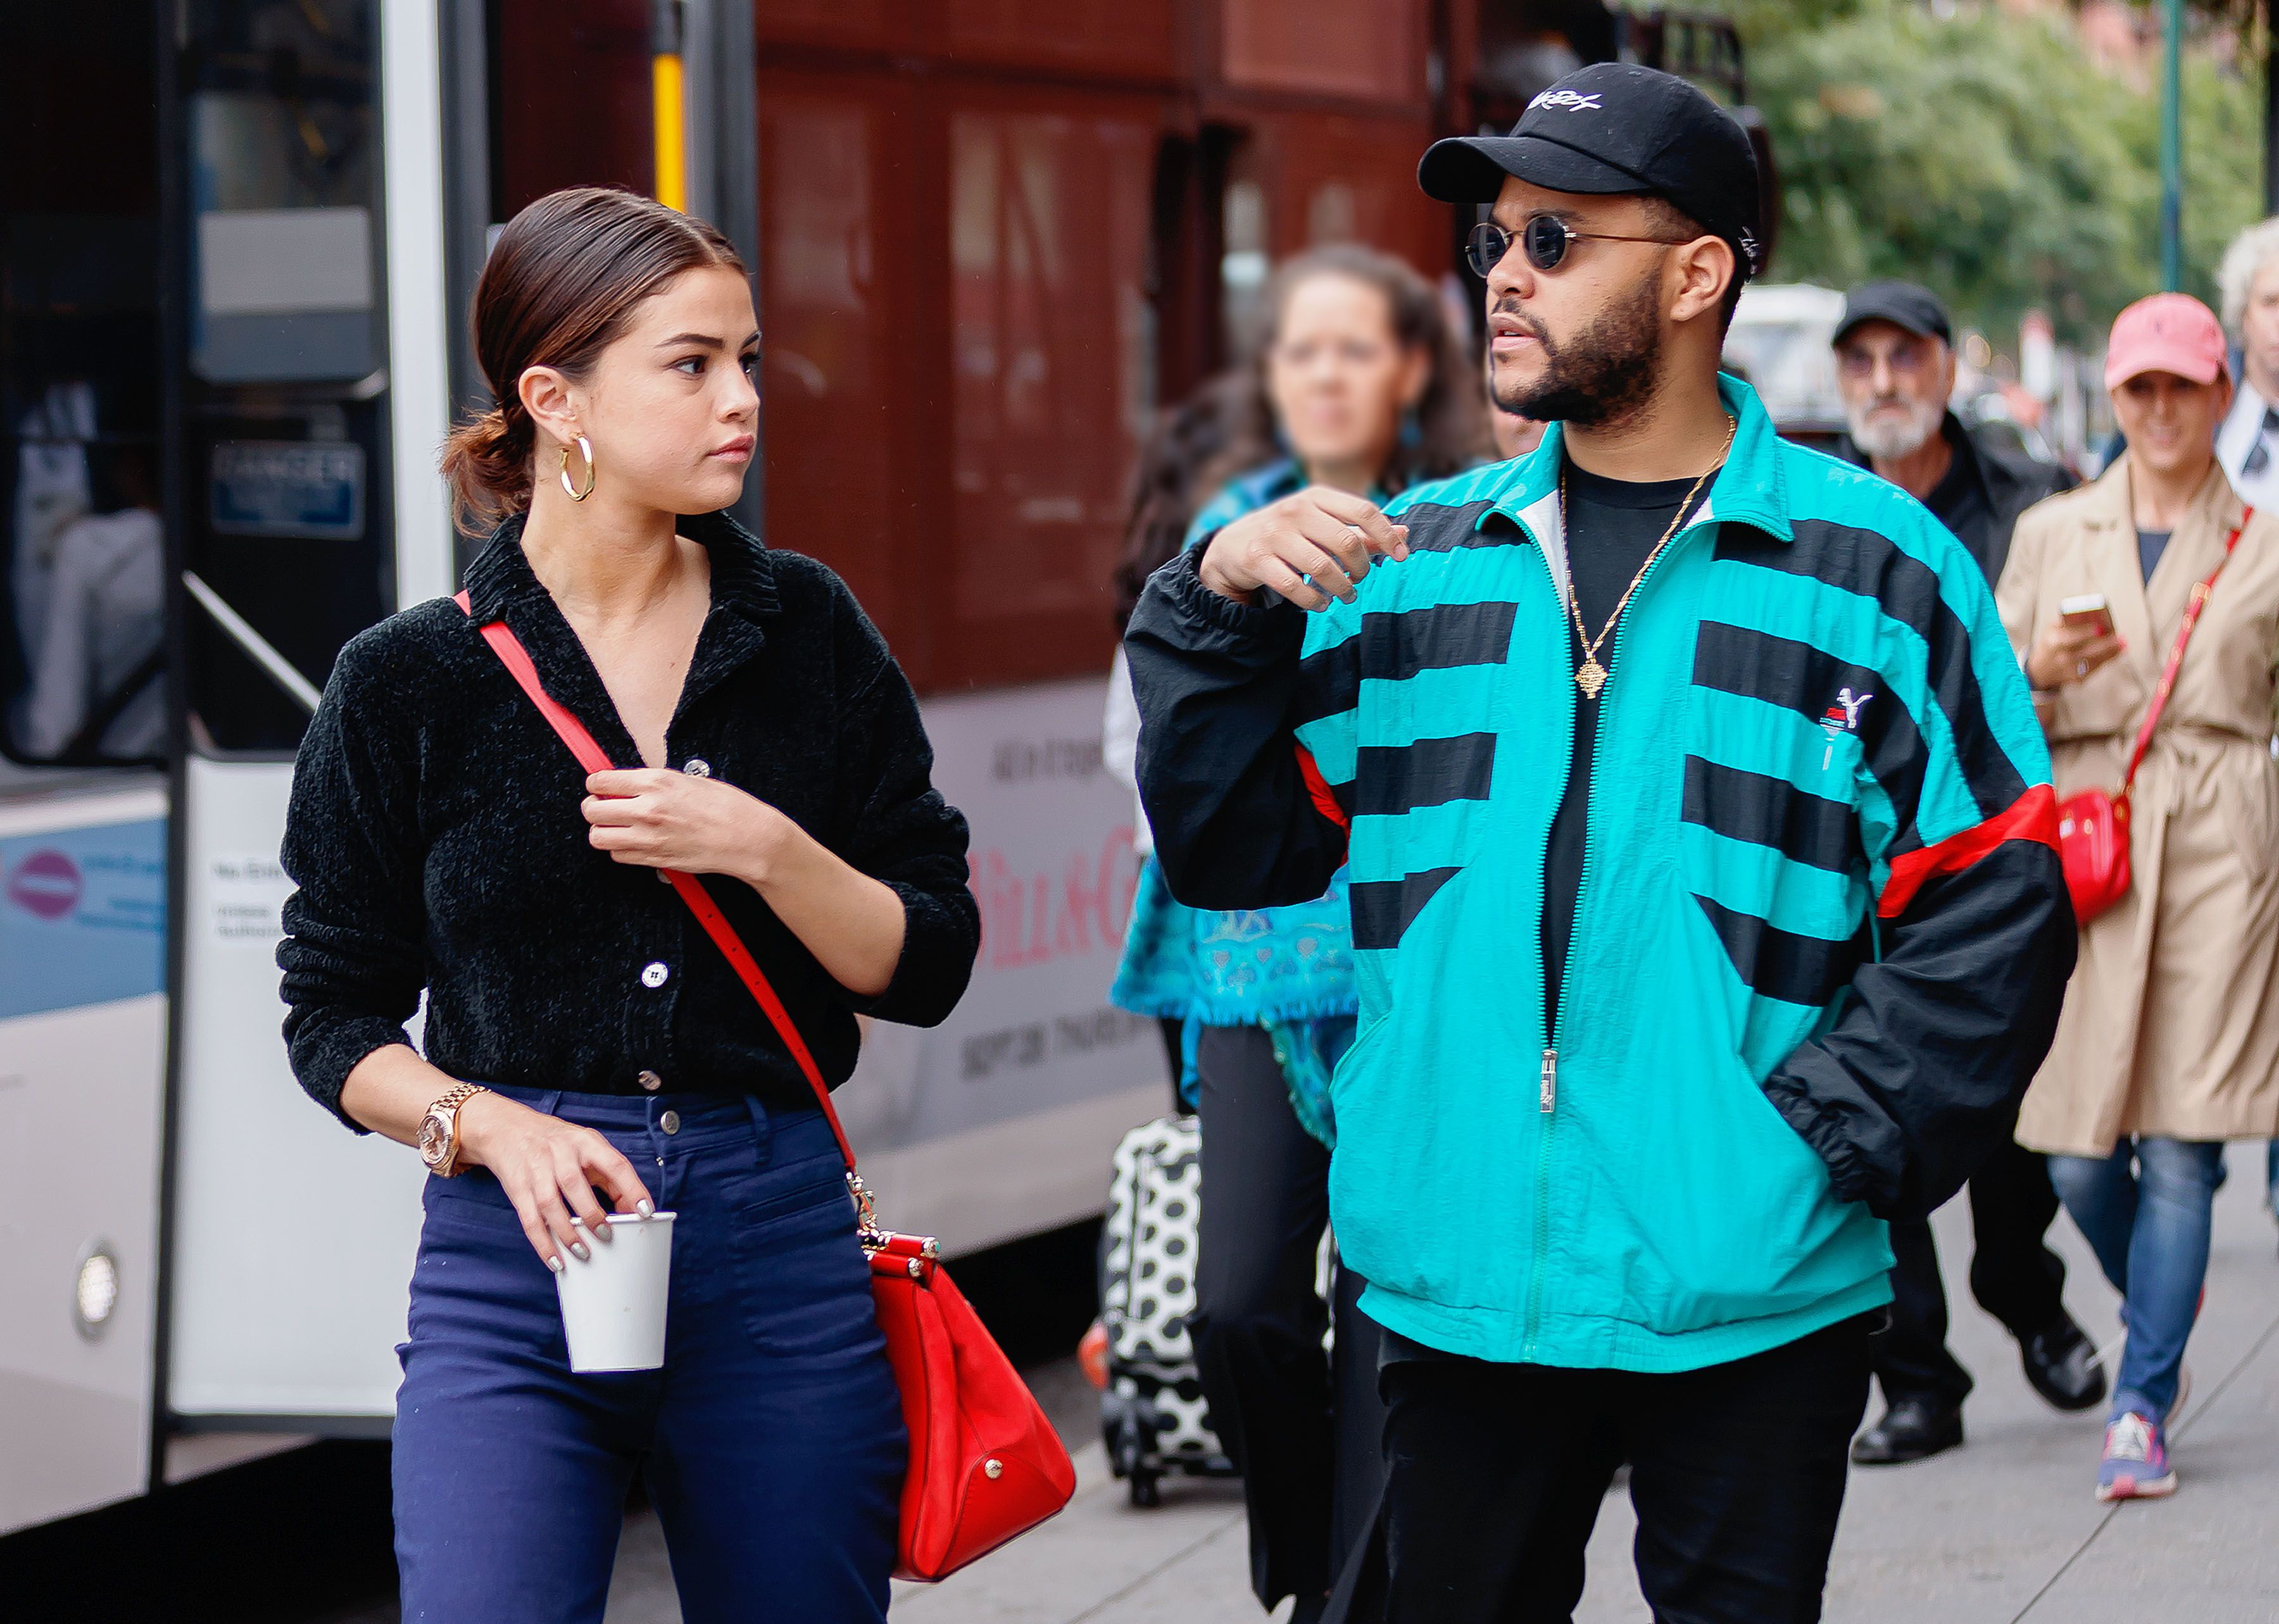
1616	128
1903	304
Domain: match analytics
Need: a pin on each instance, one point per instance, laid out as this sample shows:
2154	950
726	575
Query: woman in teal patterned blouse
1361	385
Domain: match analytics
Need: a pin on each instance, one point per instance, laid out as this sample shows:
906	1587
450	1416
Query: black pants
1306	1437
1498	1471
2014	1276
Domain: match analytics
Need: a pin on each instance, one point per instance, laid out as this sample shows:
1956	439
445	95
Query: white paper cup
613	1304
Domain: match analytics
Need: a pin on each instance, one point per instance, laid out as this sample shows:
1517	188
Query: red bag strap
2200	591
593	758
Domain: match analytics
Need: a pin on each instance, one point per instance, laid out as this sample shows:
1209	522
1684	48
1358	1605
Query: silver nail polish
582	1254
647	1209
555	1264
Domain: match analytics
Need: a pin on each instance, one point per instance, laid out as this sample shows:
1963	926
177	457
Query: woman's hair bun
487	462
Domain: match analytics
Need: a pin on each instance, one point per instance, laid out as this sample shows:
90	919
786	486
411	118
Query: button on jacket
1819	944
435	835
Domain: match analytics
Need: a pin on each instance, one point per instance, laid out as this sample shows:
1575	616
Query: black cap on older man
1614	129
1903	304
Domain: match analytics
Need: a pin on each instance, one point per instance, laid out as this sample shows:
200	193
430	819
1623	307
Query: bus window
843	347
81	545
1373	49
284	542
573	99
1052	381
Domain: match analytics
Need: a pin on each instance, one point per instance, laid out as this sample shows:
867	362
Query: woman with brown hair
587	1050
1360	384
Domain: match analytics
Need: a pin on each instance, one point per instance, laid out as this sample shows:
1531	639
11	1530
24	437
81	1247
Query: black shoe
1308	1609
2061	1365
1911	1430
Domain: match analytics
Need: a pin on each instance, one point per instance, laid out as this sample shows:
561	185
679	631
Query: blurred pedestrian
1359	385
1188	439
2169	1043
1704	895
444	839
2247	442
1895	365
2247	445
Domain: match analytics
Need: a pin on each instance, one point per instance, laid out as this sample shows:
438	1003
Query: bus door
310	405
83	798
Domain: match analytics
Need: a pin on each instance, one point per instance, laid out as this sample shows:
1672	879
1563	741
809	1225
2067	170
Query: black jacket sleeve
1234	821
1920	1079
353	950
899	830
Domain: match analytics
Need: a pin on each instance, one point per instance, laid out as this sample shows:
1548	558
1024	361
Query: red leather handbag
2093	826
985	1464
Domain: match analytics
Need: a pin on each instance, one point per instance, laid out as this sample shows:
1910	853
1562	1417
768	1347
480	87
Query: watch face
435	1142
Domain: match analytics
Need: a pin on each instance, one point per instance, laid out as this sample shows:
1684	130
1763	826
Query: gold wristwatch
439	1131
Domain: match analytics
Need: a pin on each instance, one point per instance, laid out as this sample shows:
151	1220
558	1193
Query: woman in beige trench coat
2168	1045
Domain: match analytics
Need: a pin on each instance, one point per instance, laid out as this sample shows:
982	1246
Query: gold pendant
1590	677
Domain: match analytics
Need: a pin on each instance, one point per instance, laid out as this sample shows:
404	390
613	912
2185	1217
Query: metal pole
669	104
2172	149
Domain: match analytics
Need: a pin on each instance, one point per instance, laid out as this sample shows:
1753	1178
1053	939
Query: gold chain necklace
1591	676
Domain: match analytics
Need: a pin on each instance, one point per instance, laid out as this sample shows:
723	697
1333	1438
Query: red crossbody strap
593	758
2201	592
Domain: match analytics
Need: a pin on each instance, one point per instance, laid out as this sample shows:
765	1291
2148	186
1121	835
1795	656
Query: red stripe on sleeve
1325	798
2032	816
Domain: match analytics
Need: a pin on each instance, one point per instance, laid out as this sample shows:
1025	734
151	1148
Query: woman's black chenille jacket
435	837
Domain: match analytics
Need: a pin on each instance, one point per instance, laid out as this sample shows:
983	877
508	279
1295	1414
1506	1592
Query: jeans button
669	1121
650	1081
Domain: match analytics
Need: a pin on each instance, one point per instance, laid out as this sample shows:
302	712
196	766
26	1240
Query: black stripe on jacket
1874	566
1764	810
1796	677
1390	647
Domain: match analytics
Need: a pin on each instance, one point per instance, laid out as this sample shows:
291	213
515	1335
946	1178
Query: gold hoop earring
585	449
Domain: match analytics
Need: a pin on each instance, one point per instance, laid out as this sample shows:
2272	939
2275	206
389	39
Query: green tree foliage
1984	155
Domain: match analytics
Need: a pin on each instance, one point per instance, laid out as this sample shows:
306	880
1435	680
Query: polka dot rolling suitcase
1153	1416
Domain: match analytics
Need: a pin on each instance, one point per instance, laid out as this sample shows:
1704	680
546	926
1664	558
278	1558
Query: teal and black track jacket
1821	937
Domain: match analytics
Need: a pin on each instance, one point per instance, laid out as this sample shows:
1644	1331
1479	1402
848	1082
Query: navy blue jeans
2148	1212
772	1438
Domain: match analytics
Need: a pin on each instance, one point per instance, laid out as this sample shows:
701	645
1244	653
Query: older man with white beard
1895	362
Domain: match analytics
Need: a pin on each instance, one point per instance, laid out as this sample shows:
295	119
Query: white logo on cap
1572	99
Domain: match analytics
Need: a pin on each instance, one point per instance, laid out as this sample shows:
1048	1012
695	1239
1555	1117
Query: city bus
237	240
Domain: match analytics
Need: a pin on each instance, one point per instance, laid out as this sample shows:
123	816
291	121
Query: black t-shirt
1611	525
1958	502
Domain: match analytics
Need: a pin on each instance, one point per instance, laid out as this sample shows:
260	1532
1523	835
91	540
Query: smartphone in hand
2089	609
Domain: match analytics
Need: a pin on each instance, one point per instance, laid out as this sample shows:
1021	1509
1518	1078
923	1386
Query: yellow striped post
669	103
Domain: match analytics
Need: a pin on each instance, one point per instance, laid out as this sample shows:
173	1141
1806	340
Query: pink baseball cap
2167	333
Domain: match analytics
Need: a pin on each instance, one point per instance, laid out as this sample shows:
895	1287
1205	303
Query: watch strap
449	1104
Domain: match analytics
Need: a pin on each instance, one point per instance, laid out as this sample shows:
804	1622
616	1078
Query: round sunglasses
1545	239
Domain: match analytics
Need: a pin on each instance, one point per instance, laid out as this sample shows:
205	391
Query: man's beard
1600	375
1888	439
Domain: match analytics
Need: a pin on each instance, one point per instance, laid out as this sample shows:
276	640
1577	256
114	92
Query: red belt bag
2093	826
985	1464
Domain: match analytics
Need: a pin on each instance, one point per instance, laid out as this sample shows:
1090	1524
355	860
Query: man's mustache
1508	305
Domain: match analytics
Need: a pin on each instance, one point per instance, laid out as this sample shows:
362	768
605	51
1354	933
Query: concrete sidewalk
2004	1530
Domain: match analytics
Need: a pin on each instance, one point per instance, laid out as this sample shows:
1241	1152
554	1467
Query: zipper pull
1547	1097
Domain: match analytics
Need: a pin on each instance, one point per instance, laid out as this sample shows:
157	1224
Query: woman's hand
548	1169
2063	654
662	819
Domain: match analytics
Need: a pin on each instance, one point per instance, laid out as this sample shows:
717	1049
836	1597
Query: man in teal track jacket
1705	897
